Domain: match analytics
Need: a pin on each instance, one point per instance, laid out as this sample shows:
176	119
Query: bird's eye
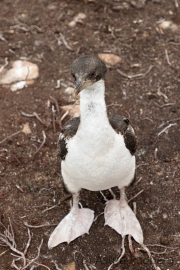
92	74
74	76
98	77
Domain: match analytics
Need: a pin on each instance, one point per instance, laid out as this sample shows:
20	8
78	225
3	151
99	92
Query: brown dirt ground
131	33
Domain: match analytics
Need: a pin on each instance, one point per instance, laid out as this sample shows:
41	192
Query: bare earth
31	184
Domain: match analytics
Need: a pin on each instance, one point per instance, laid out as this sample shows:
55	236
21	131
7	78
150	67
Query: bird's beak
80	85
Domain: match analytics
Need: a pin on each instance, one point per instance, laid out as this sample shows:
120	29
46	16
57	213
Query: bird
97	153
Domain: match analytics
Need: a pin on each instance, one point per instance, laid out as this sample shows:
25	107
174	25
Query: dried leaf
20	71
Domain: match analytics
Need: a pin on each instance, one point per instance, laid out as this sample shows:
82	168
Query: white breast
97	162
97	157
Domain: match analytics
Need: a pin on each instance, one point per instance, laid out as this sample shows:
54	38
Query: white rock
69	90
72	24
80	16
110	58
20	71
16	86
26	129
168	25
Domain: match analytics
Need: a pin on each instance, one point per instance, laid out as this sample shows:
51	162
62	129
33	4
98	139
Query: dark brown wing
68	131
122	125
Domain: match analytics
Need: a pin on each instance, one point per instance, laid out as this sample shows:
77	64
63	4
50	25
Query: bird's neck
92	104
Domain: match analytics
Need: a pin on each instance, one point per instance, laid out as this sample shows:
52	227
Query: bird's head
87	70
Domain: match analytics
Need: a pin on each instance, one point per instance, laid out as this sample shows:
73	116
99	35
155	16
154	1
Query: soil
30	180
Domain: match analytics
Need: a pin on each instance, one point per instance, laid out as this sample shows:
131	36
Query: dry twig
56	265
167	57
167	104
35	259
4	159
65	42
3	66
95	218
34	114
7	239
58	84
166	128
120	257
151	257
56	103
18	161
18	187
27	114
155	153
3	252
136	195
26	28
38	226
2	37
67	112
40	120
138	181
114	104
43	142
145	247
85	265
136	75
130	244
54	119
8	137
60	201
159	93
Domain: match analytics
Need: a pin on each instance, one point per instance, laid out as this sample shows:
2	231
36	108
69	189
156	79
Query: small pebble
52	7
146	200
72	24
168	25
80	16
26	129
164	240
69	90
165	215
110	58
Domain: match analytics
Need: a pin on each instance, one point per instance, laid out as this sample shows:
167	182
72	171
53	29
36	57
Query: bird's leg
76	223
121	218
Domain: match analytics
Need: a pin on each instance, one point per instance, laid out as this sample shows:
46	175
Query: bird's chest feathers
93	151
95	136
94	141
